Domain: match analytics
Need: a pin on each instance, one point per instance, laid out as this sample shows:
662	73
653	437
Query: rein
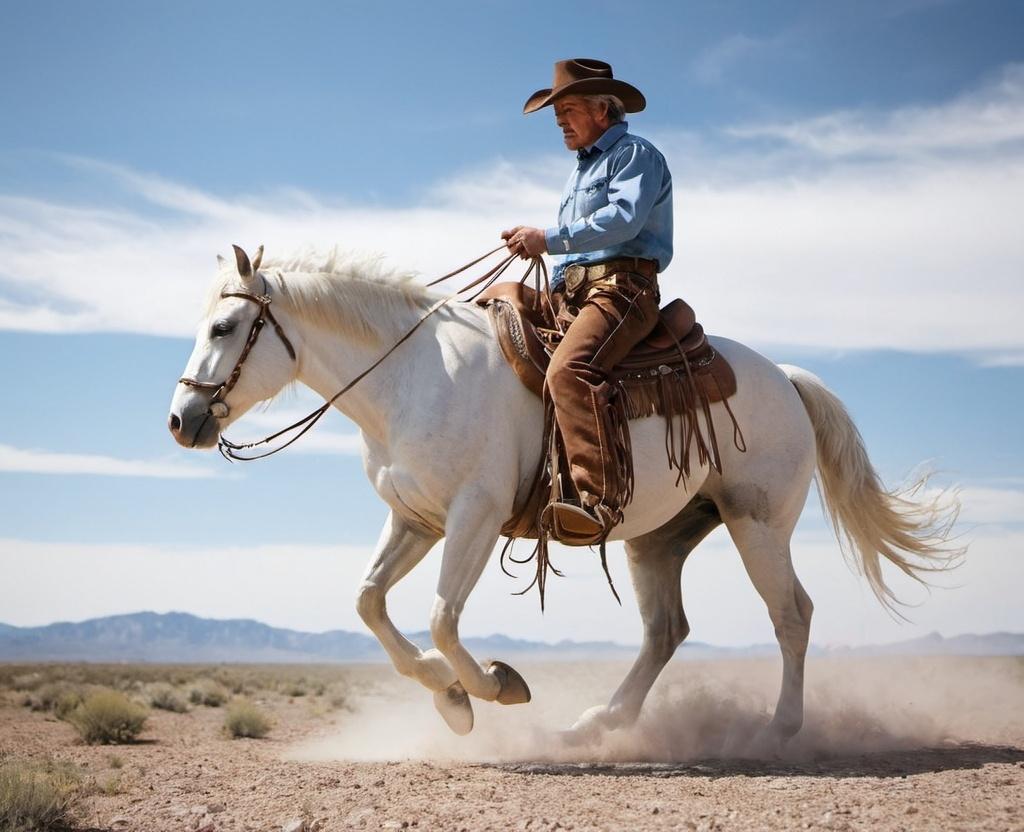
219	409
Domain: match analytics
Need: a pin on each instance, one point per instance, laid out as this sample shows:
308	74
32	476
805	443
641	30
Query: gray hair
616	109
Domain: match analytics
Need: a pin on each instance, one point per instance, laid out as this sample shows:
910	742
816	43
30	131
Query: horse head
231	368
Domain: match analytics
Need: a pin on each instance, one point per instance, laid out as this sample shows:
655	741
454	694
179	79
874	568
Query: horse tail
910	527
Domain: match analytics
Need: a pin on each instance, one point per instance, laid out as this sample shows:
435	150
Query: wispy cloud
994	505
981	121
22	461
853	230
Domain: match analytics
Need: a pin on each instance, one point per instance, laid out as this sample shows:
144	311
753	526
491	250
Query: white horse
452	440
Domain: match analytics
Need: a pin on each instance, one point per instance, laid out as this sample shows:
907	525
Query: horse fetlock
434	670
767	744
589	729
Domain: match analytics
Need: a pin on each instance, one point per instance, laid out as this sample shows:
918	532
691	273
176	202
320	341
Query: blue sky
849	186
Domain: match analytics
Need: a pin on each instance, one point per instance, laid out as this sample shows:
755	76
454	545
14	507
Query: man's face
580	127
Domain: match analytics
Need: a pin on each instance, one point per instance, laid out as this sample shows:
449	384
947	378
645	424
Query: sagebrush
108	717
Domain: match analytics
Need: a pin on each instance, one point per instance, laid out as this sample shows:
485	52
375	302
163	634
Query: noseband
218	407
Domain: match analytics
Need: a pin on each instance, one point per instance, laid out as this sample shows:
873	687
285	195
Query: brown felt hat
585	76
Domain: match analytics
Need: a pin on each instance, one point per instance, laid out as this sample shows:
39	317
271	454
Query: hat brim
631	97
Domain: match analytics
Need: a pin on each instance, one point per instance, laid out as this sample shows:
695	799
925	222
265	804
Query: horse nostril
174	423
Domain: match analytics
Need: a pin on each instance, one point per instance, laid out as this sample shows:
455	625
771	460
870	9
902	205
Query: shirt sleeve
637	174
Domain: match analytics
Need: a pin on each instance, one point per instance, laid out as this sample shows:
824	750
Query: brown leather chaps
609	317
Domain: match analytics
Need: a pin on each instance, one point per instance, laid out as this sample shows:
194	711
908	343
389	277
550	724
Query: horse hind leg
765	550
655	562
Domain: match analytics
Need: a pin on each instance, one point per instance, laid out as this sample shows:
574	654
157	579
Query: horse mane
358	293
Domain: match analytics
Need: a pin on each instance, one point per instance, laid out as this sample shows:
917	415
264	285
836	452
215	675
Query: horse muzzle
198	426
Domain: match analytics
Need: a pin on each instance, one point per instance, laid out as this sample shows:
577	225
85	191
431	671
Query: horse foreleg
472	533
399	549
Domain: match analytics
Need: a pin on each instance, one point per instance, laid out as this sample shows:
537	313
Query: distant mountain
933	644
180	637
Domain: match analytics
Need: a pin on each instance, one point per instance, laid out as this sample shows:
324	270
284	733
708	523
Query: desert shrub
17	677
244	719
108	717
208	692
293	687
36	795
166	697
59	697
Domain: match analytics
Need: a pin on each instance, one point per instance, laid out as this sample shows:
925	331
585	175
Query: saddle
675	372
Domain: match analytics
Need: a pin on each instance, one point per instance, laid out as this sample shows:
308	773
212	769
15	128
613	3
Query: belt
580	274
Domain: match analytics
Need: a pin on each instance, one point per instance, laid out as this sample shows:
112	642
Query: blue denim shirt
617	203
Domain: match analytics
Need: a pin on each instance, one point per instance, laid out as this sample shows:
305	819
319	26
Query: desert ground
888	744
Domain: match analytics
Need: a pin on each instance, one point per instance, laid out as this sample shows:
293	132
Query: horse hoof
455	708
514	690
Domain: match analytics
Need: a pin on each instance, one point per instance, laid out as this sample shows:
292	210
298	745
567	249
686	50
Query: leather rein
218	407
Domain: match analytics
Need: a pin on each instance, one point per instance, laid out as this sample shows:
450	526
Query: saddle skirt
675	372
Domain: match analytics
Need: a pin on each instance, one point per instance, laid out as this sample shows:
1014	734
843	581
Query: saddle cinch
675	372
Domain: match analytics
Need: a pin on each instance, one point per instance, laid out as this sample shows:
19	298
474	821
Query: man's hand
525	241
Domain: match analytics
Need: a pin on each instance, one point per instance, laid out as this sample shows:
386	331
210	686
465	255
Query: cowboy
614	234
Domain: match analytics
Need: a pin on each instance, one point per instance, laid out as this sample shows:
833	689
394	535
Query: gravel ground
888	744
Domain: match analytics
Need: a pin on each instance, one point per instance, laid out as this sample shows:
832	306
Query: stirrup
575	526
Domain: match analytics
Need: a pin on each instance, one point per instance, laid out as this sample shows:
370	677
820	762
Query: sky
849	187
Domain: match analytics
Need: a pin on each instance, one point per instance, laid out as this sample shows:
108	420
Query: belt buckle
575	276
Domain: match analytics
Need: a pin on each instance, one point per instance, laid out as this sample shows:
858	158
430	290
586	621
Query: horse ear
257	259
244	266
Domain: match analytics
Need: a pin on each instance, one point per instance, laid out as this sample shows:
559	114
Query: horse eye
221	328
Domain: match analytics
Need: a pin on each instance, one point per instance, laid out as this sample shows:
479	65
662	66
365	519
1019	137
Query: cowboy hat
585	76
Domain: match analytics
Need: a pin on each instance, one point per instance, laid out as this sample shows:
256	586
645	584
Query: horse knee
370	603
444	627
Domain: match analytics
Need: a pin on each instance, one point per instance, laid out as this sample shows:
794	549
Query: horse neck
335	358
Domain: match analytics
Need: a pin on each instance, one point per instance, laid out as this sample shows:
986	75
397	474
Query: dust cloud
698	710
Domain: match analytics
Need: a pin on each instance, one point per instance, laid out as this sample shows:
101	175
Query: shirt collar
607	139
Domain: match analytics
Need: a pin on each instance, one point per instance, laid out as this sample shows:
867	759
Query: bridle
218	407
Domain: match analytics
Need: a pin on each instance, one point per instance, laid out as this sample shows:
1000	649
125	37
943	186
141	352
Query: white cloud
980	121
896	230
25	461
990	505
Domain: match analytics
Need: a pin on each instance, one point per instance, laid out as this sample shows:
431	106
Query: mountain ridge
186	638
